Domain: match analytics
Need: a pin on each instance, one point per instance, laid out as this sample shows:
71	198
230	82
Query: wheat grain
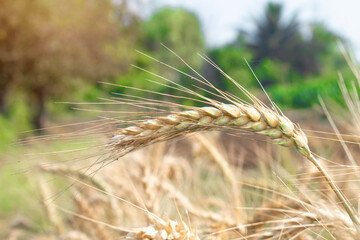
164	230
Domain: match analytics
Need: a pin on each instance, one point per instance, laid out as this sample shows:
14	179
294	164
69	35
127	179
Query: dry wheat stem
229	176
324	215
85	209
52	213
196	211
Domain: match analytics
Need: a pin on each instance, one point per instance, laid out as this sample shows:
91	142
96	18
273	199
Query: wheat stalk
283	211
51	211
85	209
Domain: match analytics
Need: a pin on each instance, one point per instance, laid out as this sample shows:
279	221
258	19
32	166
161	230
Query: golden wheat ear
230	114
259	120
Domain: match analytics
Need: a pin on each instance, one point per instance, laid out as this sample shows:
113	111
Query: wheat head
257	119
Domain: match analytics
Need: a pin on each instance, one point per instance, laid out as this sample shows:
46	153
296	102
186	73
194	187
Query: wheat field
224	168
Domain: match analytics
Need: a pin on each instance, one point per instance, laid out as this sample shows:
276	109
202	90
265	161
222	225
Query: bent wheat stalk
234	114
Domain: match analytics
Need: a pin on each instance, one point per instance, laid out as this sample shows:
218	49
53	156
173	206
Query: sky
221	19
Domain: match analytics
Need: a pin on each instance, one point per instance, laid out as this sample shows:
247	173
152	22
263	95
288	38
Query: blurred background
55	54
54	51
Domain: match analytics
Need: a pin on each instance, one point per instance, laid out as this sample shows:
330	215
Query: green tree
276	39
230	58
272	38
177	29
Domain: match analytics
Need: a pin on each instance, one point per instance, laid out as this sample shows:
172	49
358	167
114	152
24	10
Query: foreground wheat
234	114
164	230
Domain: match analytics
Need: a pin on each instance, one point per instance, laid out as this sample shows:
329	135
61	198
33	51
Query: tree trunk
3	102
5	88
39	111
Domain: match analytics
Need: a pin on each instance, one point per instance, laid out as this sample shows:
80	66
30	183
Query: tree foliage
177	29
273	38
47	47
282	40
231	59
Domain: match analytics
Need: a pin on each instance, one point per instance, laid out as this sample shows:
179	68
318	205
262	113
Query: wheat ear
256	119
